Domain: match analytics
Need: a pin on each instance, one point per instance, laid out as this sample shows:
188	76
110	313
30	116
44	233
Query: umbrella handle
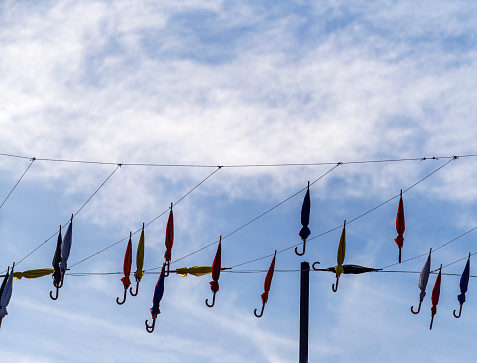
261	312
296	249
313	266
418	308
137	288
213	301
150	328
460	312
335	287
432	320
124	300
51	293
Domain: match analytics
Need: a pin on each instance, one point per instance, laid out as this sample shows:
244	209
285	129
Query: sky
202	84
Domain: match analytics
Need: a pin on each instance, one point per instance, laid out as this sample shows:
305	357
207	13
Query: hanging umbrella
169	242
139	262
33	274
423	278
266	285
305	220
64	254
158	293
349	269
196	270
126	269
6	295
214	284
464	282
56	262
340	256
436	291
400	226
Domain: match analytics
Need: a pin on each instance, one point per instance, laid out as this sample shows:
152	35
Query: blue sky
226	83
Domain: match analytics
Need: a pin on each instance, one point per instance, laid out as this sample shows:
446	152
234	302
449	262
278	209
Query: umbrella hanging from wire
196	270
340	256
464	282
139	262
400	226
169	242
436	292
158	293
126	269
6	293
423	278
57	282
266	285
65	250
214	284
305	220
348	269
33	274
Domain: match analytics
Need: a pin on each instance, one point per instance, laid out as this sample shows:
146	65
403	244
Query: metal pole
304	303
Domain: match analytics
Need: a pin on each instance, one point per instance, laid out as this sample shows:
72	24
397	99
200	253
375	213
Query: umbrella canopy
268	279
127	264
436	292
66	246
33	274
305	215
464	282
158	293
424	277
351	269
169	242
140	257
196	270
340	254
400	226
57	260
214	284
6	294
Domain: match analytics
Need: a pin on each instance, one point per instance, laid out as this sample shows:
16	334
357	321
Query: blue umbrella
6	294
464	282
158	293
305	220
65	249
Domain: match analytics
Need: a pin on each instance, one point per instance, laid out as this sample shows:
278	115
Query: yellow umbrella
33	274
340	256
196	270
139	262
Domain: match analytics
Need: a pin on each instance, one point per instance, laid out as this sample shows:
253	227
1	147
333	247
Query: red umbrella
169	241
126	269
214	284
400	226
436	291
266	285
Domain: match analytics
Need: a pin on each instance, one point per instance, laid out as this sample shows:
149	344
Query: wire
253	220
147	224
89	199
353	220
11	191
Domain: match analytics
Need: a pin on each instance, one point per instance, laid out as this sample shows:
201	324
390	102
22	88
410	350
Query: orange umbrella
266	285
400	226
126	269
214	284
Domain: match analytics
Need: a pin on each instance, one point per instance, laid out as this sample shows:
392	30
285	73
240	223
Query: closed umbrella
6	294
169	242
65	250
436	292
423	278
126	269
340	256
158	293
400	226
33	274
266	285
305	220
139	262
197	270
56	262
349	269
464	282
214	284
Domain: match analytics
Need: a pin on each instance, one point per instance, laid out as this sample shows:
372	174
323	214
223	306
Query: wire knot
339	163
120	165
33	159
455	157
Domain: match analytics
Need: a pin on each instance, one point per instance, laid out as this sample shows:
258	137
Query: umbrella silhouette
305	220
400	226
158	293
436	292
423	278
169	242
139	262
464	282
266	285
214	284
126	269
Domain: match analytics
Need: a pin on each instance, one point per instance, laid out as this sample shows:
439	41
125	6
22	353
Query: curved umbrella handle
150	328
124	300
137	288
261	312
418	308
460	312
313	266
296	249
335	287
213	301
51	293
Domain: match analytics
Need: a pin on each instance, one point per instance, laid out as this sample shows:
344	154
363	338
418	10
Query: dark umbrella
126	269
214	284
158	293
464	282
64	254
436	292
400	226
305	220
169	242
266	285
6	293
56	263
349	269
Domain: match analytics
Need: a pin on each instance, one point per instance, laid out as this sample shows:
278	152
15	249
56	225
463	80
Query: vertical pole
304	303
